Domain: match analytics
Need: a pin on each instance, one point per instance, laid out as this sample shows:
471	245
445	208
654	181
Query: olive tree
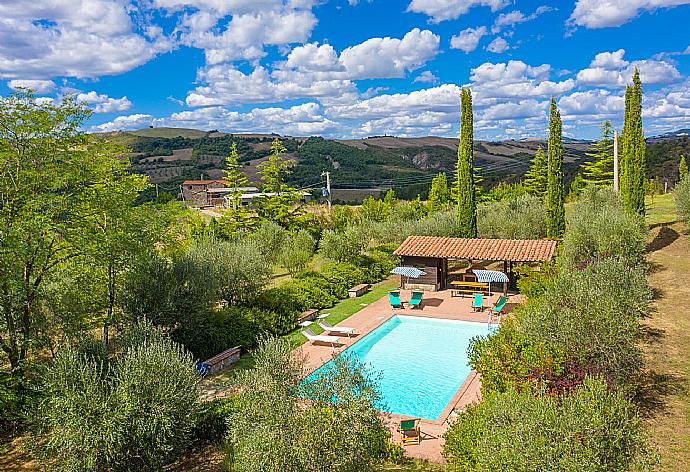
520	218
599	226
344	246
132	412
682	197
591	429
284	424
593	314
297	251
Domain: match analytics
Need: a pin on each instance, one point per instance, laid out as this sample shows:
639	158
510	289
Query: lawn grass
666	391
660	210
345	309
341	311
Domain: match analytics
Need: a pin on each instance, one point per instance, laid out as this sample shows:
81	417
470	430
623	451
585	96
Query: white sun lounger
321	338
336	329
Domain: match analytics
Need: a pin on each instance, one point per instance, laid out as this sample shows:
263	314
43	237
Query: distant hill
681	133
171	155
168	133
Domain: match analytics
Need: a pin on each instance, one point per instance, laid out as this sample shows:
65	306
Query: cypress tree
682	169
599	170
439	194
464	181
623	154
555	193
536	178
635	159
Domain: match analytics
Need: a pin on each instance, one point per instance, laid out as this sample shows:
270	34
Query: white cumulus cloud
498	45
38	86
102	103
79	38
610	69
440	10
606	13
468	39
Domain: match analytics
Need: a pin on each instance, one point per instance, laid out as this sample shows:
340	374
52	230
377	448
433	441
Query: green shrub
135	413
682	198
212	418
520	218
287	425
462	439
589	429
507	360
297	251
593	315
395	453
344	275
344	246
18	396
600	227
533	282
270	237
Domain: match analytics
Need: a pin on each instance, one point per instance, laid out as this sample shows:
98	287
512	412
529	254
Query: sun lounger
416	299
394	299
499	306
321	338
478	302
409	431
337	329
496	311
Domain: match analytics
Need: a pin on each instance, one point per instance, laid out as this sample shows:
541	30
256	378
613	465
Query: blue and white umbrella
490	276
408	272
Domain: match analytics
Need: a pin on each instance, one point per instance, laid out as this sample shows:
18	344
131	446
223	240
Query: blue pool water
421	362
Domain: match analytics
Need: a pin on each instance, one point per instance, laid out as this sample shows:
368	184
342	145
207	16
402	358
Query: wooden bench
221	361
459	292
309	315
358	290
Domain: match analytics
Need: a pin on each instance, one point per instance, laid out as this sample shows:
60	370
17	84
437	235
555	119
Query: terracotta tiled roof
516	250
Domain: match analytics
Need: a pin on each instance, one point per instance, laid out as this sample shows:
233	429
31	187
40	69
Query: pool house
450	262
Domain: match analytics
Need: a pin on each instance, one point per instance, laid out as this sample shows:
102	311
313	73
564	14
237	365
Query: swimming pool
422	361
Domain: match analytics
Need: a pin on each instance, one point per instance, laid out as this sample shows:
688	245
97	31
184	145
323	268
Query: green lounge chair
478	302
416	299
499	306
409	431
394	299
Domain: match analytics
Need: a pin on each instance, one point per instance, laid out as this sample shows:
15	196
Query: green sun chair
478	302
409	431
394	299
497	309
416	300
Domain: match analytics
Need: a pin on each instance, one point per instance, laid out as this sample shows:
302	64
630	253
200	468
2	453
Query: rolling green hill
170	155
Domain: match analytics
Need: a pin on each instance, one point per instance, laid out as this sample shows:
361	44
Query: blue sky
352	68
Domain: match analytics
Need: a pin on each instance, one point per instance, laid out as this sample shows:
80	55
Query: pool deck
434	305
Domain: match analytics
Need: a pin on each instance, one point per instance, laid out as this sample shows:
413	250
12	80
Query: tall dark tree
536	177
464	179
635	167
599	170
682	169
555	193
623	154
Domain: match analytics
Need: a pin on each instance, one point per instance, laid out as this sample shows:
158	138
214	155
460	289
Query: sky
352	68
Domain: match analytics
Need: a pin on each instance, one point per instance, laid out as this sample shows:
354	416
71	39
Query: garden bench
309	315
460	292
220	361
358	290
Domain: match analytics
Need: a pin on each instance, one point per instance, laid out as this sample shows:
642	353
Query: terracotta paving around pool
434	305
